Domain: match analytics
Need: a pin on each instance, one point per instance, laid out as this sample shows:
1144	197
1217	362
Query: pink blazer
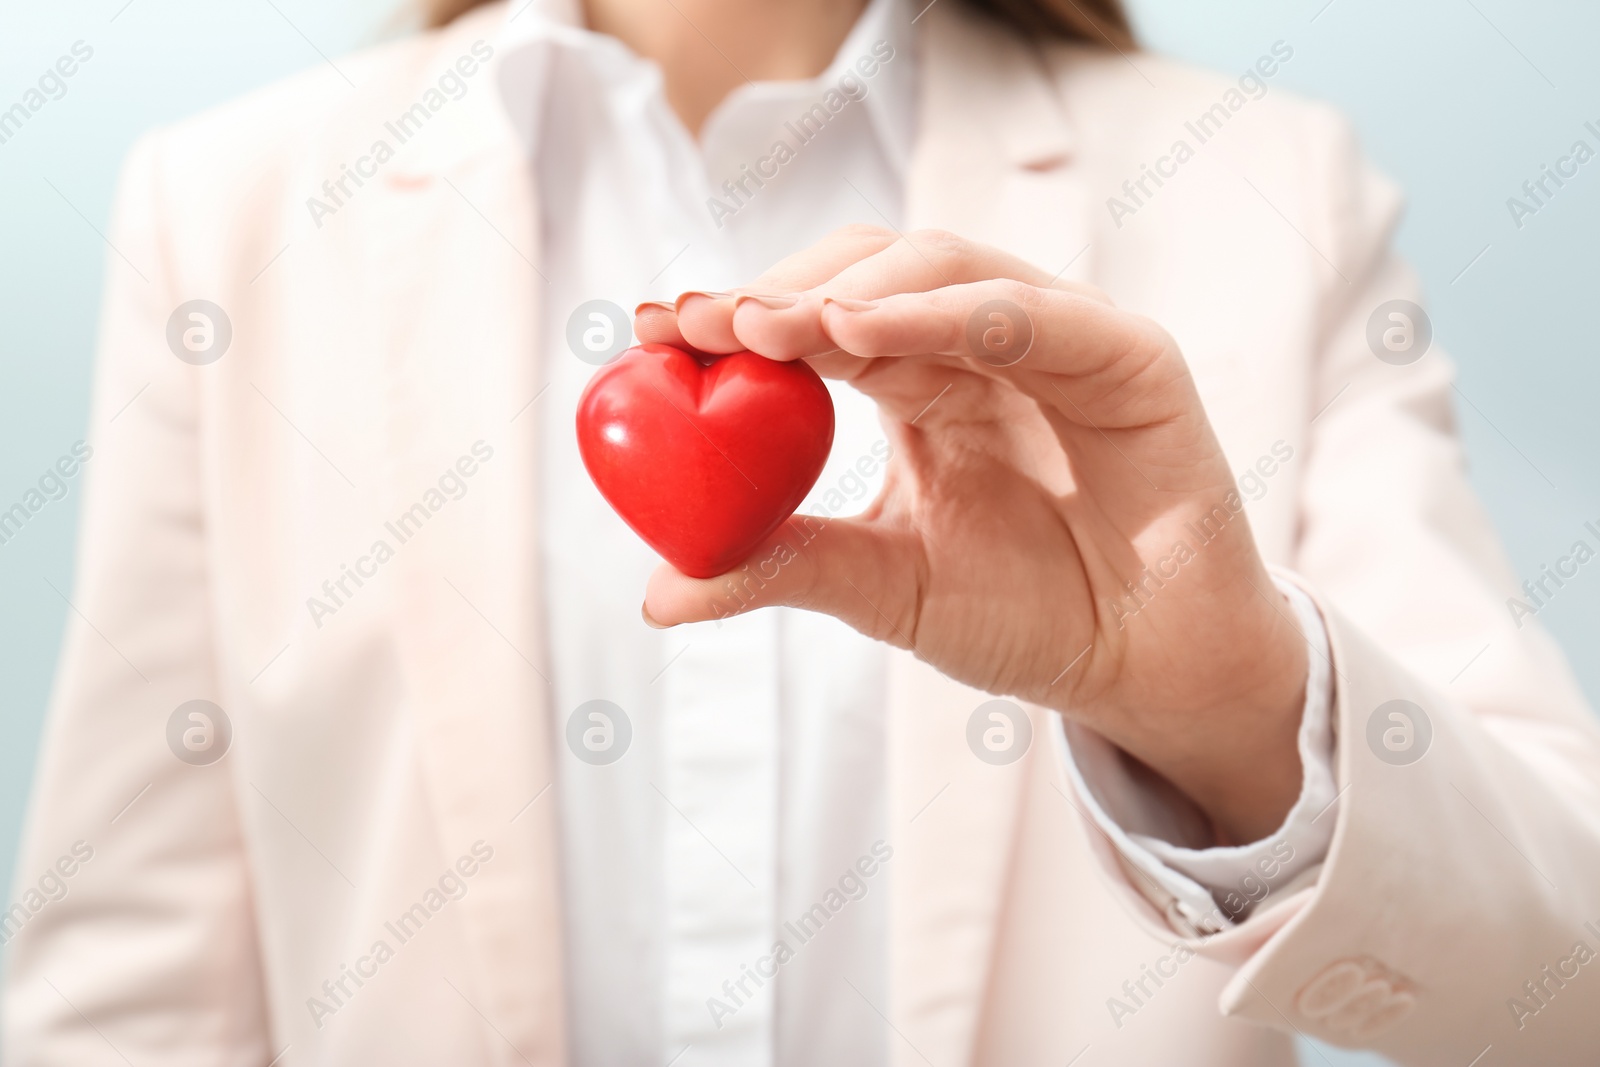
374	754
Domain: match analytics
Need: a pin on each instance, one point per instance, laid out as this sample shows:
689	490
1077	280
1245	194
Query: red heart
704	456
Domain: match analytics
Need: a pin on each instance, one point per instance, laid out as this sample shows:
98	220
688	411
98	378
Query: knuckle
1029	298
941	244
1033	302
802	586
1153	337
1148	344
861	231
1084	290
1094	292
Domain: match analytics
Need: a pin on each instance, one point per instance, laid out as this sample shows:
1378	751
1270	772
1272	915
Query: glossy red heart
704	456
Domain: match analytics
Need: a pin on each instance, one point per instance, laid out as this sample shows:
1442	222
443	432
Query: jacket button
1368	997
1358	997
1330	990
1385	1016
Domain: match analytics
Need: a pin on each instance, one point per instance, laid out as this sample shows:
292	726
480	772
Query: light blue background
1461	100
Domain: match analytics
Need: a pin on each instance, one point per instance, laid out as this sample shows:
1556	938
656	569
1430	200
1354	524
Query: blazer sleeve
146	951
1459	904
1465	866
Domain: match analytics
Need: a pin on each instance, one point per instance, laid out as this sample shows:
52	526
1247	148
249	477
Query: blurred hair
1103	23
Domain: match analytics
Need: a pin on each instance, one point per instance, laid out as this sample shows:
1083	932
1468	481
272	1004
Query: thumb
852	569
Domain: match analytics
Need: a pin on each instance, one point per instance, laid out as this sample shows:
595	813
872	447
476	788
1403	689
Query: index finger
705	320
920	262
1092	361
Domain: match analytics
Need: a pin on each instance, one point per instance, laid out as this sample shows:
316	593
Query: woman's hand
1048	449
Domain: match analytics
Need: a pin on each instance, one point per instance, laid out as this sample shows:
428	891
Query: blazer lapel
454	291
993	163
995	149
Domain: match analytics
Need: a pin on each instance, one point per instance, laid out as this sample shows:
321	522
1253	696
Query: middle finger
917	263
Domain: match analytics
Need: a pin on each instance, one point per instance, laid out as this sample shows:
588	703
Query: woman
1162	704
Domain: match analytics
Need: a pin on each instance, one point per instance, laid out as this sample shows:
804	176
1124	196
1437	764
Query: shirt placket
719	715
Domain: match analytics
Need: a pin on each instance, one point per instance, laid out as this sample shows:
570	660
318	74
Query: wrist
1233	749
1245	773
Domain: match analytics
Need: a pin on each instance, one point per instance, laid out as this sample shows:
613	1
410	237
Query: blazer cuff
1161	834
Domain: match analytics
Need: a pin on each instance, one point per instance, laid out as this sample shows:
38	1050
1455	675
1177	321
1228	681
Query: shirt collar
534	29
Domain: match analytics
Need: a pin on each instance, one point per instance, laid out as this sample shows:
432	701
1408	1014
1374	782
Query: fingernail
850	305
774	303
708	294
654	305
644	613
